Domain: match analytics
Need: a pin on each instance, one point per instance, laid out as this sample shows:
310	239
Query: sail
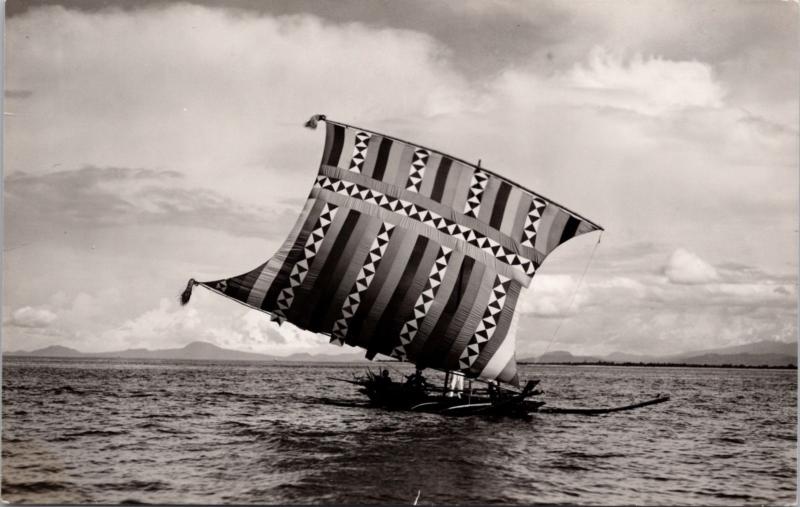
409	252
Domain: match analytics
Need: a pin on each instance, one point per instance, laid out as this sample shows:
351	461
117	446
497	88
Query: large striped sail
408	252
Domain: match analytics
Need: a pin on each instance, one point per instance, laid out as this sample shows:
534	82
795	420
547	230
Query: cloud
236	327
30	317
650	86
163	325
552	296
260	330
685	267
667	137
640	311
88	322
110	197
219	94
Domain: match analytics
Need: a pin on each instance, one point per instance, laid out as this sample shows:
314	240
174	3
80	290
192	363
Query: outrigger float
411	253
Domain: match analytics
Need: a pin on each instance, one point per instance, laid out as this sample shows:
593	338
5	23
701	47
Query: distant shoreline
277	359
662	365
365	362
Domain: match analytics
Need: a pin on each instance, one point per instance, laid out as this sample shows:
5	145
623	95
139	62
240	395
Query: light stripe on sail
423	303
300	269
488	324
362	283
499	360
359	151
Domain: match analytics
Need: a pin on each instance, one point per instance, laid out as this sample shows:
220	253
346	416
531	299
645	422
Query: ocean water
111	431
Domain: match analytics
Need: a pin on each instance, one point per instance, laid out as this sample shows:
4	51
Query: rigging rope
572	299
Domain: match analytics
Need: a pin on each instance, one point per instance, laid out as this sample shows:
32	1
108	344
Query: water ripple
78	431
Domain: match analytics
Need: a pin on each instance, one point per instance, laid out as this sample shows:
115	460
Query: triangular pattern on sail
406	251
487	325
363	281
424	302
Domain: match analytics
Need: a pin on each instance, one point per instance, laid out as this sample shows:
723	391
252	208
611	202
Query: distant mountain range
194	350
763	353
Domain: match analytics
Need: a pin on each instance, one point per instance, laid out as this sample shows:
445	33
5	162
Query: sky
150	142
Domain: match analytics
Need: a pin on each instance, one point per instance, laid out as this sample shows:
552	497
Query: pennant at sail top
409	252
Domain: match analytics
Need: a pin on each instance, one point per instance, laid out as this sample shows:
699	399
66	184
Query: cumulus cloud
648	313
209	319
687	268
552	296
260	330
31	317
160	325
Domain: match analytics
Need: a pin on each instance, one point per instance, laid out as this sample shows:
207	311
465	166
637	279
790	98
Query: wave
94	433
731	440
66	389
15	488
133	485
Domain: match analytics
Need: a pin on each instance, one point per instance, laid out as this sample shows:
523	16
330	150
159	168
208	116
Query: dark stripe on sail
441	179
383	340
434	349
295	254
336	149
370	296
352	258
570	228
383	156
499	208
440	351
239	287
325	288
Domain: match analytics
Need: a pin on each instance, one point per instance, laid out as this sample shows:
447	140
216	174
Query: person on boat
384	380
416	381
455	387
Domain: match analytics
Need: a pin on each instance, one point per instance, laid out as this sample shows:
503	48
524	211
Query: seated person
384	380
416	380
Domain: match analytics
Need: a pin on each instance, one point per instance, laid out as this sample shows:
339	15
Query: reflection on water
204	432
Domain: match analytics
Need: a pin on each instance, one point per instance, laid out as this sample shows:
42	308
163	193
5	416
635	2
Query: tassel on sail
408	252
186	295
